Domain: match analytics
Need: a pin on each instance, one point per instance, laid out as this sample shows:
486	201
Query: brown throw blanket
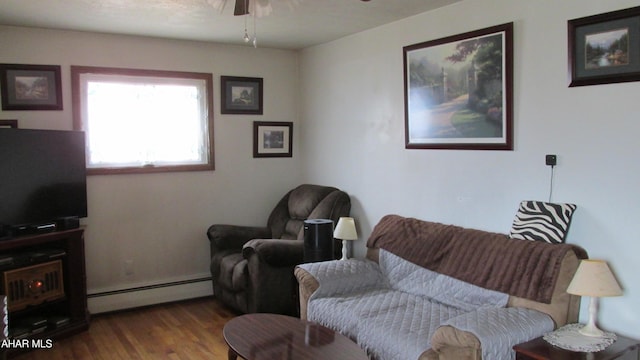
522	268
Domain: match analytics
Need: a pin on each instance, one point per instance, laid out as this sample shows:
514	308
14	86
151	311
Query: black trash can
318	240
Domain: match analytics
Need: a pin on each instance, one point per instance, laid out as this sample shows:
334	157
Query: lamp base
344	250
591	330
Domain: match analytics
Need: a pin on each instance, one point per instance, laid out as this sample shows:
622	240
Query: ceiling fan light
262	7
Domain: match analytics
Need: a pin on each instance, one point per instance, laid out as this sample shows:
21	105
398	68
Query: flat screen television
42	179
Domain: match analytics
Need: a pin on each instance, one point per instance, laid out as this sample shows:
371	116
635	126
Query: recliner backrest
306	202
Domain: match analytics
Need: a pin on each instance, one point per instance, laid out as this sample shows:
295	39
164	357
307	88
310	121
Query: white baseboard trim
150	294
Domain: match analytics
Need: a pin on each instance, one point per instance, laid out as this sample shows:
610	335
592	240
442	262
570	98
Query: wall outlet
550	160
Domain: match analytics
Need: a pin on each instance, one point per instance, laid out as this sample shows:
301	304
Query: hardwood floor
186	330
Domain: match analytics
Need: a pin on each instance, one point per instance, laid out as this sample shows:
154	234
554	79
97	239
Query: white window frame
81	75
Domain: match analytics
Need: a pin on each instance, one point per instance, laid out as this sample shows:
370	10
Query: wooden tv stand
62	298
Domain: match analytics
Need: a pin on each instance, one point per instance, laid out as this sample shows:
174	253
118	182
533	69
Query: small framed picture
604	48
241	95
272	139
30	87
8	124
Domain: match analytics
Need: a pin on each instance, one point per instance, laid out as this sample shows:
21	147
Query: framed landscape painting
604	48
30	87
241	95
458	91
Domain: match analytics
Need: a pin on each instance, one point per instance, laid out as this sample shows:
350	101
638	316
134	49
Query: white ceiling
293	24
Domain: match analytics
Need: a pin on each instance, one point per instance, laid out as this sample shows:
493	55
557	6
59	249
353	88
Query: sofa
433	291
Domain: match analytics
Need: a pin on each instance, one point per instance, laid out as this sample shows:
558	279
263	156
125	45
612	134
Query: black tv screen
42	177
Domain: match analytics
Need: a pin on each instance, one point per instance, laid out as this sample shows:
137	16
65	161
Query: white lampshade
594	278
346	229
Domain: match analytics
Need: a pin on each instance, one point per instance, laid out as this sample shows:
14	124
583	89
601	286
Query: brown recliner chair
252	267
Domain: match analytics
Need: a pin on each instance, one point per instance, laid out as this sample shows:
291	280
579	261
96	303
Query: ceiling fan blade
242	7
218	4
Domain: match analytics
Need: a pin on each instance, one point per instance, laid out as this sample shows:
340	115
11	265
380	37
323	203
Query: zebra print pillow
542	221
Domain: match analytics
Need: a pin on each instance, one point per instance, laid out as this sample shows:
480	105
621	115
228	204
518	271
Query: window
139	121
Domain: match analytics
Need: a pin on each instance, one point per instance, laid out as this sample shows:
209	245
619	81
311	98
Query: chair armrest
225	237
275	252
489	332
270	264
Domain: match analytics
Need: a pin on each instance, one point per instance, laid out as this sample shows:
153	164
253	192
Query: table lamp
594	279
345	230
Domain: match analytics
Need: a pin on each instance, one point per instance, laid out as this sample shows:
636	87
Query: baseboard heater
144	295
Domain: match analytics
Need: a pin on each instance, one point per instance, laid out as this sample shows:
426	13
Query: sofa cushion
403	331
405	276
499	329
383	322
342	313
542	221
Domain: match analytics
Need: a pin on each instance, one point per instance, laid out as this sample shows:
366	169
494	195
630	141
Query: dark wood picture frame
458	91
30	87
604	48
241	95
272	139
8	124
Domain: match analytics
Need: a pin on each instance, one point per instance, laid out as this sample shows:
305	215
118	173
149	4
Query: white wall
353	131
159	221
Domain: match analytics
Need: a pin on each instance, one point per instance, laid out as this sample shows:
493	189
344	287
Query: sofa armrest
233	237
307	285
344	276
335	277
452	343
488	333
275	252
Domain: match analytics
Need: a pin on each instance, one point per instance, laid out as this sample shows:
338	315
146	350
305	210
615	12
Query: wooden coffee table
272	336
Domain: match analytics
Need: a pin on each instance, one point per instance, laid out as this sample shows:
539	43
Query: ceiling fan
258	8
242	7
